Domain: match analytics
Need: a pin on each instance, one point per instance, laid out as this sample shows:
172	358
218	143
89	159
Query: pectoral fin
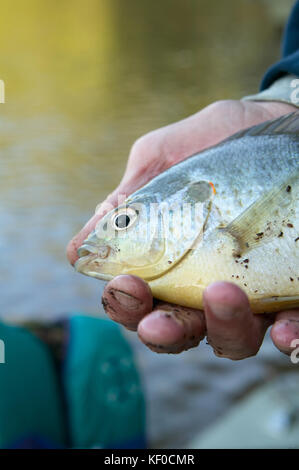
268	217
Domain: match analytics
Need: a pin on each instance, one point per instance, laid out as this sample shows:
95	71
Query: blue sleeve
289	63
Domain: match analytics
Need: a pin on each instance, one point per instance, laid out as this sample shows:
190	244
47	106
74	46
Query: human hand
231	328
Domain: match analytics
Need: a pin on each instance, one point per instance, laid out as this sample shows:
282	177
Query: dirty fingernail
221	310
160	327
126	301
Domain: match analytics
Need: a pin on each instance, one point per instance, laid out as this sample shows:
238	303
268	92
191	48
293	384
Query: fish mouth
90	248
87	249
89	261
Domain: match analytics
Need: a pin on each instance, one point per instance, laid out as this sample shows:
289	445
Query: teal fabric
30	405
103	391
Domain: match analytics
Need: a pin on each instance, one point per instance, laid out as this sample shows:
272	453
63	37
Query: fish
227	213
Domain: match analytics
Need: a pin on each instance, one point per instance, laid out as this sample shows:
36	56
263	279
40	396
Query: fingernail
161	328
126	301
221	310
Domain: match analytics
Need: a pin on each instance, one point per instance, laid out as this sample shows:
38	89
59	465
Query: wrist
284	90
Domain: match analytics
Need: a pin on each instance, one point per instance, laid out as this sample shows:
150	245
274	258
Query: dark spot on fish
296	239
280	235
259	236
237	277
246	260
288	188
169	262
245	284
291	279
246	266
247	245
290	225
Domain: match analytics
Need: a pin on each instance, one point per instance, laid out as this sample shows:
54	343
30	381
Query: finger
126	299
285	330
172	328
233	331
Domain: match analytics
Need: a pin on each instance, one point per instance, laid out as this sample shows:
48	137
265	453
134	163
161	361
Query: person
231	328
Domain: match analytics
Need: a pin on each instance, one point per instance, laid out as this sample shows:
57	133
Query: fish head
125	241
145	236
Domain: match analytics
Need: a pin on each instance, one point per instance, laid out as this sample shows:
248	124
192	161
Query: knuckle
150	146
221	106
143	145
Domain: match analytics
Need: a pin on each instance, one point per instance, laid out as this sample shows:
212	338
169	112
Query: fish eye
122	221
124	218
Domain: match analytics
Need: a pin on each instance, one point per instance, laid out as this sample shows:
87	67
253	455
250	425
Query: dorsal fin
288	124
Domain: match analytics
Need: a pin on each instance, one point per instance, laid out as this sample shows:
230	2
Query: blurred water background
83	81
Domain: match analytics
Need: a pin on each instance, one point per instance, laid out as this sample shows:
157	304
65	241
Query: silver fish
241	223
